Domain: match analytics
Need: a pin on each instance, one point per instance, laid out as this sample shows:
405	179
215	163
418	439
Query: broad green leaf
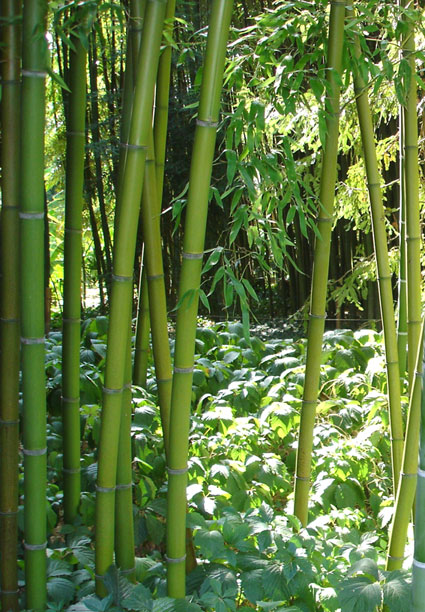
360	595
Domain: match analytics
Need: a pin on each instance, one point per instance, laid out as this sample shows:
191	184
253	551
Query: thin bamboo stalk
122	287
32	300
141	348
74	180
321	265
193	247
413	231
9	305
418	567
402	289
407	483
383	267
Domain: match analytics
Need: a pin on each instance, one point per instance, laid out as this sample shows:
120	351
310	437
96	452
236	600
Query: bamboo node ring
155	277
402	333
71	470
309	401
124	486
381	278
40	340
10	513
70	400
421	473
134	147
35	452
73	133
203	123
303	478
9	592
418	373
71	230
71	319
404	475
324	220
370	185
121	279
316	316
175	559
177	472
192	255
163	380
31	215
10	82
109	391
5	423
396	558
412	238
40	74
390	363
183	370
100	489
35	546
402	280
4	320
419	564
407	147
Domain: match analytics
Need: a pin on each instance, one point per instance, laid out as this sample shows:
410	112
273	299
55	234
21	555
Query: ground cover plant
251	551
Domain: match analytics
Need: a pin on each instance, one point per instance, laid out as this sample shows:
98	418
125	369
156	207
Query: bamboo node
39	74
10	82
35	546
418	373
40	340
203	123
71	230
124	486
192	255
9	513
71	470
71	320
183	370
309	401
109	391
163	380
121	279
128	386
134	147
412	238
316	316
419	564
421	473
402	333
35	452
3	592
177	472
155	277
405	475
324	220
73	133
175	559
4	423
381	278
100	489
388	363
396	558
303	478
4	320
70	400
31	215
411	147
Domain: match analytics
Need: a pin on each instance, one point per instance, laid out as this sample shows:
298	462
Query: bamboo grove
127	222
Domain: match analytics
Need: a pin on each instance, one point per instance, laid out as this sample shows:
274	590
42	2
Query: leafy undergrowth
252	553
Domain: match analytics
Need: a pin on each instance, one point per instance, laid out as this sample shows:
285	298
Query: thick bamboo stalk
193	247
141	348
122	286
413	231
9	304
418	567
32	300
407	483
402	289
383	267
320	266
74	179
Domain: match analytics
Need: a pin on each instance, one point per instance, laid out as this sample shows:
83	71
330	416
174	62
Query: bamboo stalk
383	267
122	287
418	567
402	289
193	247
407	483
74	180
141	348
321	266
32	300
9	305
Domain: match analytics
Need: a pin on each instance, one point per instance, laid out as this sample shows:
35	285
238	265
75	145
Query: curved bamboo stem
193	247
321	266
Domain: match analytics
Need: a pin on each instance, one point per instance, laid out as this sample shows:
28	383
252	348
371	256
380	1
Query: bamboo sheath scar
9	305
122	286
383	268
320	266
193	247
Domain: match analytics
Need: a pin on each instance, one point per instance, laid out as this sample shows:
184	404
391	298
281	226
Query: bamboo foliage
382	263
72	278
122	286
9	306
193	247
321	265
32	300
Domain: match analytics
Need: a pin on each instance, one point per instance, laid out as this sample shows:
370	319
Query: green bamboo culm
32	241
141	347
402	288
382	264
321	264
413	231
122	286
193	247
74	178
9	304
418	567
407	484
